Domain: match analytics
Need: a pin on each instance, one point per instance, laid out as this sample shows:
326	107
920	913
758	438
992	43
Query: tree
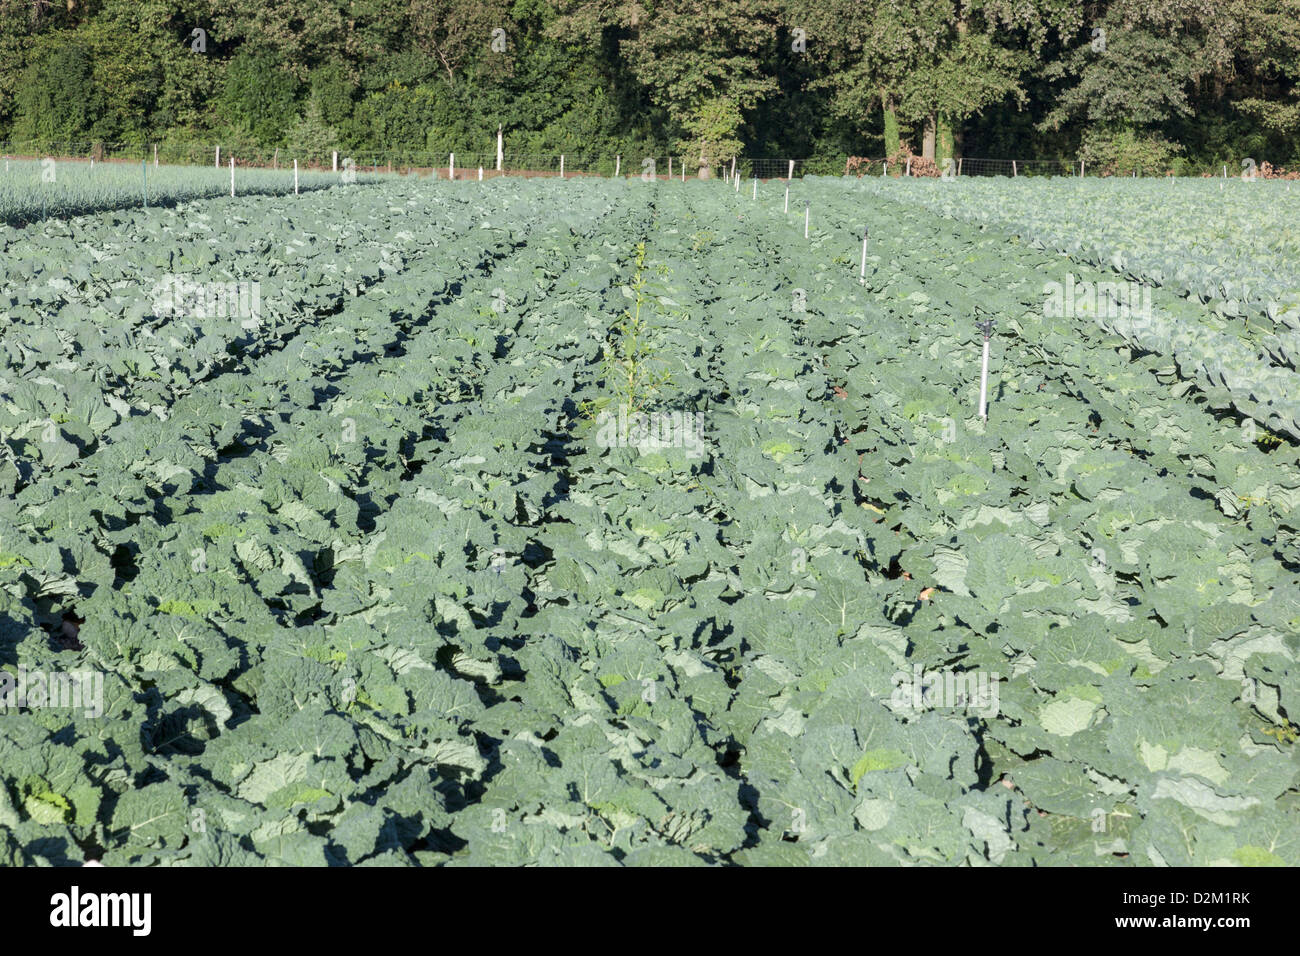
310	136
57	101
259	95
930	62
1133	72
701	63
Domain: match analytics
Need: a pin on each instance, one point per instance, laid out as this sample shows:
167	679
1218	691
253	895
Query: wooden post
908	170
295	177
451	166
232	176
275	160
670	168
217	161
618	165
958	165
501	153
787	197
561	165
480	174
1013	169
790	174
336	160
155	155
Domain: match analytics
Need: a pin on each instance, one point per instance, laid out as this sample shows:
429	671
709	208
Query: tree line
1182	85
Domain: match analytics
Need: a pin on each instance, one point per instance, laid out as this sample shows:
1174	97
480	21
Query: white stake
155	155
232	176
755	187
737	179
295	177
984	383
217	162
806	208
908	171
790	174
862	273
561	165
787	198
1013	169
451	166
683	169
501	154
336	160
670	169
480	174
987	328
1225	172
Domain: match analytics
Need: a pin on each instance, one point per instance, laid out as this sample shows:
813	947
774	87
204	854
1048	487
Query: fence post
232	176
908	171
336	160
618	165
217	162
958	165
295	177
500	148
155	155
480	174
561	165
790	174
1013	169
670	169
451	166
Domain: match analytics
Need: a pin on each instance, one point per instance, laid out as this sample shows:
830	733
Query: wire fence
473	165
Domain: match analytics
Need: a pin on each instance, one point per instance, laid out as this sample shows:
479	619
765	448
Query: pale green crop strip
31	190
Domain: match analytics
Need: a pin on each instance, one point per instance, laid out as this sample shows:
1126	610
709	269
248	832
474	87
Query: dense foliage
364	579
1145	84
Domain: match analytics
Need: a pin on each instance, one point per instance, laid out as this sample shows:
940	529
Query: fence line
659	165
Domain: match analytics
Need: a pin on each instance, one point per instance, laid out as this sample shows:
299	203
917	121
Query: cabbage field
603	522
